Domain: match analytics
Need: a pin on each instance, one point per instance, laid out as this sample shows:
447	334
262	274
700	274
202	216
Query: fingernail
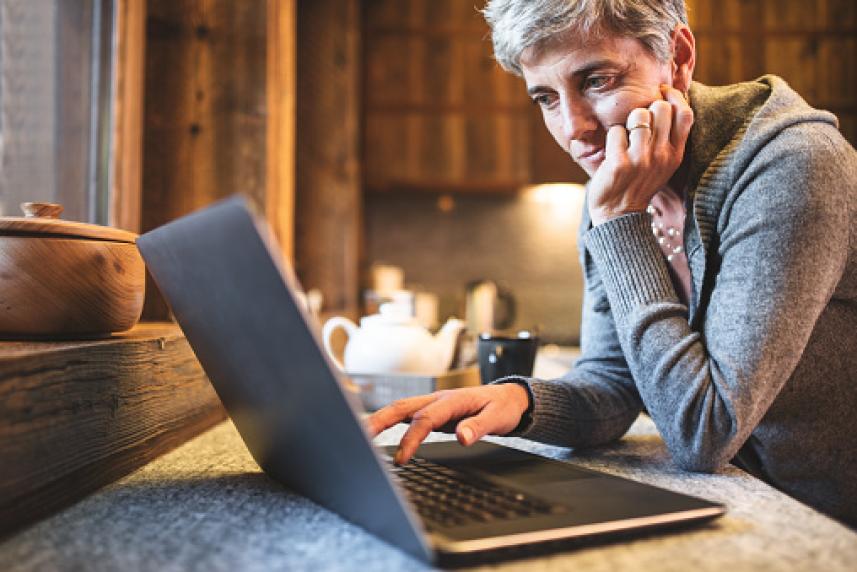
467	434
397	458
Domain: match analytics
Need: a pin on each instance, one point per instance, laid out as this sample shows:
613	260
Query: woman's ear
683	57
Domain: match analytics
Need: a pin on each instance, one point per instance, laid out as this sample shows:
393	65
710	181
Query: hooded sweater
760	366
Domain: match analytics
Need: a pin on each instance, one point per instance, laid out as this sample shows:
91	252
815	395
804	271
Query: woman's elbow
697	464
696	459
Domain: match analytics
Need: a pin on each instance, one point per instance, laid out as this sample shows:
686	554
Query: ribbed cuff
630	262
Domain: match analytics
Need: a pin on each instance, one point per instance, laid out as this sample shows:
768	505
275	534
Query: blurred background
391	155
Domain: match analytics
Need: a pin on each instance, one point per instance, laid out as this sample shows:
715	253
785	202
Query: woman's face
583	88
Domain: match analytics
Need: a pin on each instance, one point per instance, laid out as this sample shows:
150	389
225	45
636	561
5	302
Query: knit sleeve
596	401
782	244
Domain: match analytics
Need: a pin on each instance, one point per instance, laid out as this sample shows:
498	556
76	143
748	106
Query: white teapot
393	342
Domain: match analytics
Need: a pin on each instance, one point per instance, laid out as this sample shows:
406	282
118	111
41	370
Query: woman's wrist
600	215
522	396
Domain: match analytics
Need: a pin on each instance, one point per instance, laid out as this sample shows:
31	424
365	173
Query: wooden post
220	84
328	203
127	156
280	138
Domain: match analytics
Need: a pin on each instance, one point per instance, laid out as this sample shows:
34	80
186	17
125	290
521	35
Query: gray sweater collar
731	126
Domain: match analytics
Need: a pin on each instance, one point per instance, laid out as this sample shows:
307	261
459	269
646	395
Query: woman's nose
577	119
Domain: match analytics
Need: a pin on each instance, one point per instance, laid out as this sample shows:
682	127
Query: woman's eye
596	82
543	100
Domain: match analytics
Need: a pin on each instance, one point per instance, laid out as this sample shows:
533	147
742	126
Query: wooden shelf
76	415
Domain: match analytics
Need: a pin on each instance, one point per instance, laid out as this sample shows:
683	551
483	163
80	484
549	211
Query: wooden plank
77	415
481	149
752	42
439	62
393	14
281	85
718	60
719	15
388	71
837	74
848	126
839	14
127	154
803	32
328	203
386	136
780	14
206	113
797	61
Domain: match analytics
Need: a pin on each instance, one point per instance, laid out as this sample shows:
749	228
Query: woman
718	253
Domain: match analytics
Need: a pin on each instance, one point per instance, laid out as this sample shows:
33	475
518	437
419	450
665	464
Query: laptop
238	303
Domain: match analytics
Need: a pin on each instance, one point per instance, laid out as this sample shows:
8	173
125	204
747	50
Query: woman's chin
591	163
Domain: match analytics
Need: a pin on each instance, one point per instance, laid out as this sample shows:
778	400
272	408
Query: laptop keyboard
449	497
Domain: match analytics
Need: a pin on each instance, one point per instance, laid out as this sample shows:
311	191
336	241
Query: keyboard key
452	498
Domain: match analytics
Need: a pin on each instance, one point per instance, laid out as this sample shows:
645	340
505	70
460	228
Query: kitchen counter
207	506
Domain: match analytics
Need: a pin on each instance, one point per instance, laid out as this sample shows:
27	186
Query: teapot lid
390	314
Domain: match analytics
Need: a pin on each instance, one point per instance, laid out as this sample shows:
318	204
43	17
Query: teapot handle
331	326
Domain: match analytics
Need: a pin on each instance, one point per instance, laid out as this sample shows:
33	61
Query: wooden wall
127	145
219	110
328	201
813	45
440	115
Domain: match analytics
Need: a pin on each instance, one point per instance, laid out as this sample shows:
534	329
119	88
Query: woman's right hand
475	411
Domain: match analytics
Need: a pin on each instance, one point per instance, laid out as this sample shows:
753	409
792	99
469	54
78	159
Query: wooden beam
280	136
127	156
77	415
328	201
220	112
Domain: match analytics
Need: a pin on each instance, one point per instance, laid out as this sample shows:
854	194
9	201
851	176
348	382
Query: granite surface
207	506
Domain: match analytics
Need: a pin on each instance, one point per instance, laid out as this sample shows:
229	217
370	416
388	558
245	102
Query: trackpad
502	462
535	472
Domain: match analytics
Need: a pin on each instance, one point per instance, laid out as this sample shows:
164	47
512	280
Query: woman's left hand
640	157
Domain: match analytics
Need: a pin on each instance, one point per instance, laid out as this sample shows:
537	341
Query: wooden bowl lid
42	220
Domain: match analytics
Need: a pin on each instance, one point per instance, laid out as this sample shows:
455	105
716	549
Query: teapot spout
445	341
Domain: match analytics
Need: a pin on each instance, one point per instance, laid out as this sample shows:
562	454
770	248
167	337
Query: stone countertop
207	506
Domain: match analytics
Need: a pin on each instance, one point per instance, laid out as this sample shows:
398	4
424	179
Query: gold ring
640	126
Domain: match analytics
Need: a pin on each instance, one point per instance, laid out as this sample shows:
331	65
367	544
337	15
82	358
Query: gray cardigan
761	368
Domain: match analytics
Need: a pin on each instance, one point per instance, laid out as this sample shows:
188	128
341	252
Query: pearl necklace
665	235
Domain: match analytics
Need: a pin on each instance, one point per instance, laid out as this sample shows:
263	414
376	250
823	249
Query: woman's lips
595	155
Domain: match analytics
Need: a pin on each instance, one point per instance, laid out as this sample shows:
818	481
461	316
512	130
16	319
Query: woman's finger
494	419
397	412
640	129
616	146
453	405
682	117
662	124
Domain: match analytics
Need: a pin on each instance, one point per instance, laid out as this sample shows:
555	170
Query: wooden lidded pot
62	278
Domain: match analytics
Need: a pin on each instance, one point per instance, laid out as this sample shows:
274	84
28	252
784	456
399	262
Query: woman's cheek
553	122
614	109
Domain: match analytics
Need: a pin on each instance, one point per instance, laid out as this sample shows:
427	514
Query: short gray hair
517	25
